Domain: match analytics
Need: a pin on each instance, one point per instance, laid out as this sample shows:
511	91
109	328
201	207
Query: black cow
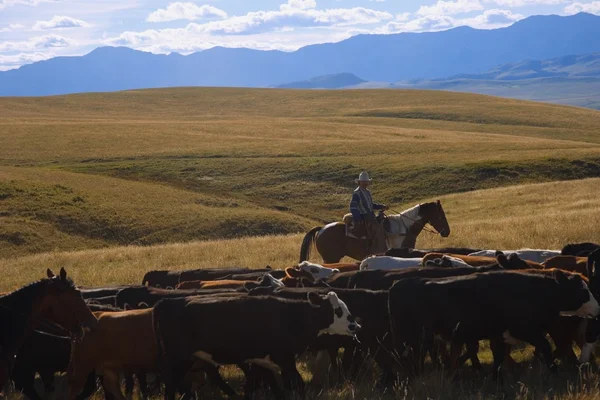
370	308
592	333
170	279
405	252
383	280
579	249
267	331
92	293
501	306
148	296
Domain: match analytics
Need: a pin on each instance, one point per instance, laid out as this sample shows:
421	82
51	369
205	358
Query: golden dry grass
180	164
546	216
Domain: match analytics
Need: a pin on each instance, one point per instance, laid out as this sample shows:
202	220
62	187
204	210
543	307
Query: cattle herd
397	309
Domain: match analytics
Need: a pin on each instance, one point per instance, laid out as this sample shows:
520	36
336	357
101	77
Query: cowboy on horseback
363	209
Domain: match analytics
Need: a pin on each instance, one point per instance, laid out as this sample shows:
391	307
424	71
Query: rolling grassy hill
171	165
546	215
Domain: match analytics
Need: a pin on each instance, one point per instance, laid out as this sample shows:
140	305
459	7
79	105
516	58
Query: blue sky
33	30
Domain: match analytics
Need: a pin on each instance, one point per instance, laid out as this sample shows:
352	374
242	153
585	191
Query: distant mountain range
573	66
333	81
380	58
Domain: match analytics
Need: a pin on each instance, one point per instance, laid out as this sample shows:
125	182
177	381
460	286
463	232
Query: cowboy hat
363	177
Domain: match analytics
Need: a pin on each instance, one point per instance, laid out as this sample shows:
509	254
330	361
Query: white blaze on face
343	322
586	352
589	308
317	271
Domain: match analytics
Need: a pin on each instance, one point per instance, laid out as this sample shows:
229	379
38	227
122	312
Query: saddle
359	231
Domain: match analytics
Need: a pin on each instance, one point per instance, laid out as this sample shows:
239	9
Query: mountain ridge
389	58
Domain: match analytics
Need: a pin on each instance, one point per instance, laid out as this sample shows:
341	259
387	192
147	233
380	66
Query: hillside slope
535	215
157	166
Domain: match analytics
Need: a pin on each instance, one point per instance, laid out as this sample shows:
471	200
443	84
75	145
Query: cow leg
76	379
112	384
258	378
129	385
498	348
89	387
292	380
215	378
545	350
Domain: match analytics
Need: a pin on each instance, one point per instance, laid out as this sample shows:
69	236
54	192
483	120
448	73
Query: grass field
171	165
112	185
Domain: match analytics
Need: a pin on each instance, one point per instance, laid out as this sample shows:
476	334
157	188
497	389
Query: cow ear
314	299
63	274
49	273
293	273
503	261
590	267
268	267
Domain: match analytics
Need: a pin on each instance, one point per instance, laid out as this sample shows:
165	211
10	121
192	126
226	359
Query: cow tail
308	242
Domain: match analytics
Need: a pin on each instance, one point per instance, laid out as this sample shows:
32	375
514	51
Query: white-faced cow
261	330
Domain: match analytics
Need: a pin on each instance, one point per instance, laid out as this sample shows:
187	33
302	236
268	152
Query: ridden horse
333	244
55	299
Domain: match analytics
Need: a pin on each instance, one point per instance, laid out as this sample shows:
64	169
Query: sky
35	30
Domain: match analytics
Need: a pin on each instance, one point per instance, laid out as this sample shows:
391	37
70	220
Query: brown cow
220	284
567	263
343	267
123	341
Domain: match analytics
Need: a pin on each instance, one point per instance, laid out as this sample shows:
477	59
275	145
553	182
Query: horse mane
30	289
397	217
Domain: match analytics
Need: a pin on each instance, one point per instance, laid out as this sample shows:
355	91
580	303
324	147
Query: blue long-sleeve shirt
362	204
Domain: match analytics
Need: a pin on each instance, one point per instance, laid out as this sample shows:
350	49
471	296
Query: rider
362	209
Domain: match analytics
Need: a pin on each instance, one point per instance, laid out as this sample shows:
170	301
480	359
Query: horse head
66	306
433	213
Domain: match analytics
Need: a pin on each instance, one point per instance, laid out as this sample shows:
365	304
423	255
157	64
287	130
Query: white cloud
522	3
36	43
189	11
592	8
489	19
9	3
492	19
12	61
58	22
298	5
445	8
295	13
12	28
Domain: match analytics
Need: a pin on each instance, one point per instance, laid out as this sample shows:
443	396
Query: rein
431	230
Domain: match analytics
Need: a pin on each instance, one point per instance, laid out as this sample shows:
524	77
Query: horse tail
308	242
